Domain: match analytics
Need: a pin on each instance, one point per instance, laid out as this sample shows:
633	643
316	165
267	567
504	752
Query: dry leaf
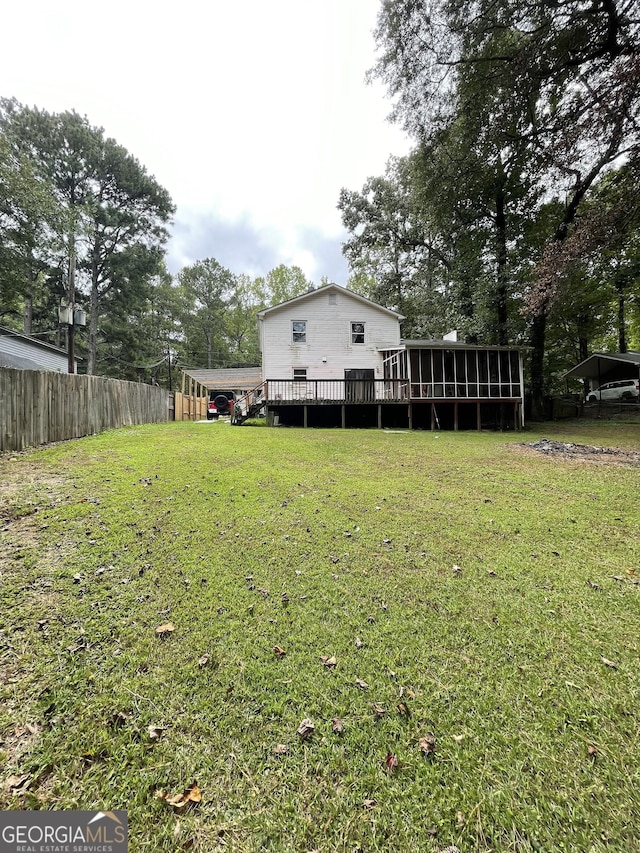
458	738
490	572
336	726
460	819
369	804
306	728
457	570
263	592
427	744
609	663
204	660
191	796
119	719
592	751
279	651
361	684
391	761
280	749
403	709
163	631
155	732
17	784
378	710
328	661
359	643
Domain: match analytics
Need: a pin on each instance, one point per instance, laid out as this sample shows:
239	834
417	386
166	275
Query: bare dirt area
567	451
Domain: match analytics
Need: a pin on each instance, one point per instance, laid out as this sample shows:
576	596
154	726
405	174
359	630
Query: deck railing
295	391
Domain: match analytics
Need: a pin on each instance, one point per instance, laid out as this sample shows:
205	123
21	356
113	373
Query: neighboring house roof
327	289
27	353
232	378
603	362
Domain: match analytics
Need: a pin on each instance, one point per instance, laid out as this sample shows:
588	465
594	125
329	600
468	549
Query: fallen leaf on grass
280	749
337	726
427	744
328	661
609	663
163	631
358	643
460	820
378	710
362	685
204	660
592	751
155	732
17	784
391	761
369	804
119	719
191	796
458	738
403	709
306	728
457	570
279	651
264	592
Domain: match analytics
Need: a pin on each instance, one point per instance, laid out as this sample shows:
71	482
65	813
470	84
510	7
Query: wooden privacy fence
190	407
38	407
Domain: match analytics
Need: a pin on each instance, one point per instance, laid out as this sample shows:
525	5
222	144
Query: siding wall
38	407
49	358
328	336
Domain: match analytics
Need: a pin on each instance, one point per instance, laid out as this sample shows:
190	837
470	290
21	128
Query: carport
606	367
191	402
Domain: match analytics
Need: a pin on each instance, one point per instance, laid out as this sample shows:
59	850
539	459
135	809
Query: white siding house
324	333
333	358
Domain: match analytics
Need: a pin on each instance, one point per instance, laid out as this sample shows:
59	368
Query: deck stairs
250	405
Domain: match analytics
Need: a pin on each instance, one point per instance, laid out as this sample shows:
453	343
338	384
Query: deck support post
304	416
410	414
379	416
433	417
343	415
478	416
455	416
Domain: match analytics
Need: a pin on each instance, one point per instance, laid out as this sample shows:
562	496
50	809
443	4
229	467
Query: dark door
359	385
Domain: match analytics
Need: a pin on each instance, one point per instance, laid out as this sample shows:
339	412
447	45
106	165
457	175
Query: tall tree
557	85
116	215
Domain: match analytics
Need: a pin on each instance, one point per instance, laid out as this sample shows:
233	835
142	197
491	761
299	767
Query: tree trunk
622	334
537	384
28	315
501	266
93	324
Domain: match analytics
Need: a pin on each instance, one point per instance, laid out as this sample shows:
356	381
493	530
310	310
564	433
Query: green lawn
472	593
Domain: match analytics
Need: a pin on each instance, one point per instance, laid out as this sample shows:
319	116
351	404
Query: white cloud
248	112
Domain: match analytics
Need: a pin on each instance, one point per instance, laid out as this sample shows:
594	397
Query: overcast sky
252	113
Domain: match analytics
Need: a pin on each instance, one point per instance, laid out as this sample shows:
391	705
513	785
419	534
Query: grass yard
456	616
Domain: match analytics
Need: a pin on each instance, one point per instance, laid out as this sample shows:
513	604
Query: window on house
357	333
299	331
333	299
300	374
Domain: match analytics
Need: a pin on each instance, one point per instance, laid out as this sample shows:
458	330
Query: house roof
18	362
34	342
602	362
231	378
446	344
328	288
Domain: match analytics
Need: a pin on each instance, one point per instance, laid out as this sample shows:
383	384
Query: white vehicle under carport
622	389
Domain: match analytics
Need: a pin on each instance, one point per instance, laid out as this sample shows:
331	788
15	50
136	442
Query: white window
300	374
333	299
357	333
299	331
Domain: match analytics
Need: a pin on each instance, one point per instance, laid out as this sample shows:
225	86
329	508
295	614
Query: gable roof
600	362
328	288
228	379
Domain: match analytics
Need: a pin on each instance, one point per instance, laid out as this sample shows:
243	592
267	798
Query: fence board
38	407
